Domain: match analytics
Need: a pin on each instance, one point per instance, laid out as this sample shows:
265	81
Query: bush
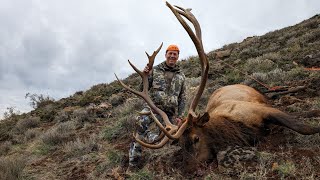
259	64
285	168
27	123
249	53
115	131
276	77
116	99
11	113
31	134
11	168
5	147
43	149
46	113
37	101
62	116
80	116
80	147
273	56
297	73
6	127
58	134
114	157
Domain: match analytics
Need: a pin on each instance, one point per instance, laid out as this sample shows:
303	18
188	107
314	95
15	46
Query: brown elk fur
235	115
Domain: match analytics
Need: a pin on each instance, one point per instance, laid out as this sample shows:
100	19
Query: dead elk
235	114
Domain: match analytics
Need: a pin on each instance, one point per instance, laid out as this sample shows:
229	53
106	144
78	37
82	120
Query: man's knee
142	124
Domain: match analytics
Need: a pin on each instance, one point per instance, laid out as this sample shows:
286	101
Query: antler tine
170	128
153	146
152	57
128	88
187	14
160	137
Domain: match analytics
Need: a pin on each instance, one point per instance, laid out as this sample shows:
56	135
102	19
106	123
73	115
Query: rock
235	157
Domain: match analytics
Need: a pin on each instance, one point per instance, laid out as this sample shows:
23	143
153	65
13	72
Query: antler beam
197	40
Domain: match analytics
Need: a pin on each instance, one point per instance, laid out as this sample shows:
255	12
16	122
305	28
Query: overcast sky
58	47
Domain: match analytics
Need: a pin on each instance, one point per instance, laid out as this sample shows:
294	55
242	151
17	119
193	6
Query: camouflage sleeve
150	80
182	101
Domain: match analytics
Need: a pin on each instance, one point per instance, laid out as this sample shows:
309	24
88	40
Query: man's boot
134	157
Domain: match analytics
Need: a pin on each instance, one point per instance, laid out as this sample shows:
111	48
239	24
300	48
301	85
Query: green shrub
116	99
297	73
285	168
142	174
46	113
114	157
317	103
259	64
6	127
43	149
249	53
233	77
113	132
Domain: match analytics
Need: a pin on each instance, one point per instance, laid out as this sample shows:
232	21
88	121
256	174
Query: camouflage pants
143	124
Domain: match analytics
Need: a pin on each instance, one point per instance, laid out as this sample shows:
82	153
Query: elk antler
169	128
172	131
197	40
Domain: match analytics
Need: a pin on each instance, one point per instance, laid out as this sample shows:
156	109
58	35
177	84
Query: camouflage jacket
168	94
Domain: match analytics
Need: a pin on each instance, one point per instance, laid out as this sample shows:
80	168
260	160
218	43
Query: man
167	90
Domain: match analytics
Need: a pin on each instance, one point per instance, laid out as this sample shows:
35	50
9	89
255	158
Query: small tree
37	101
11	111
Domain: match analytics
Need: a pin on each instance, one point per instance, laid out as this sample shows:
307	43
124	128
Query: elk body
235	114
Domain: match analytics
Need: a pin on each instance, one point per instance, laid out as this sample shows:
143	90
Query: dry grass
125	122
5	147
259	64
27	123
58	134
80	147
11	168
32	134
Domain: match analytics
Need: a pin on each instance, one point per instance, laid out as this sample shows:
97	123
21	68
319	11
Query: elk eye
196	139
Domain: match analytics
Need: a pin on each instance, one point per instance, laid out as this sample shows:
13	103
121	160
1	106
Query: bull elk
235	114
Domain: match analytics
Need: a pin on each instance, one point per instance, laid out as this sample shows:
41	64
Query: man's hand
146	69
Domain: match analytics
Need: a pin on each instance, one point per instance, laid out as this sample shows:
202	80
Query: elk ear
203	119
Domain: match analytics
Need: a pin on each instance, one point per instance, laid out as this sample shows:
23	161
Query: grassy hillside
87	135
